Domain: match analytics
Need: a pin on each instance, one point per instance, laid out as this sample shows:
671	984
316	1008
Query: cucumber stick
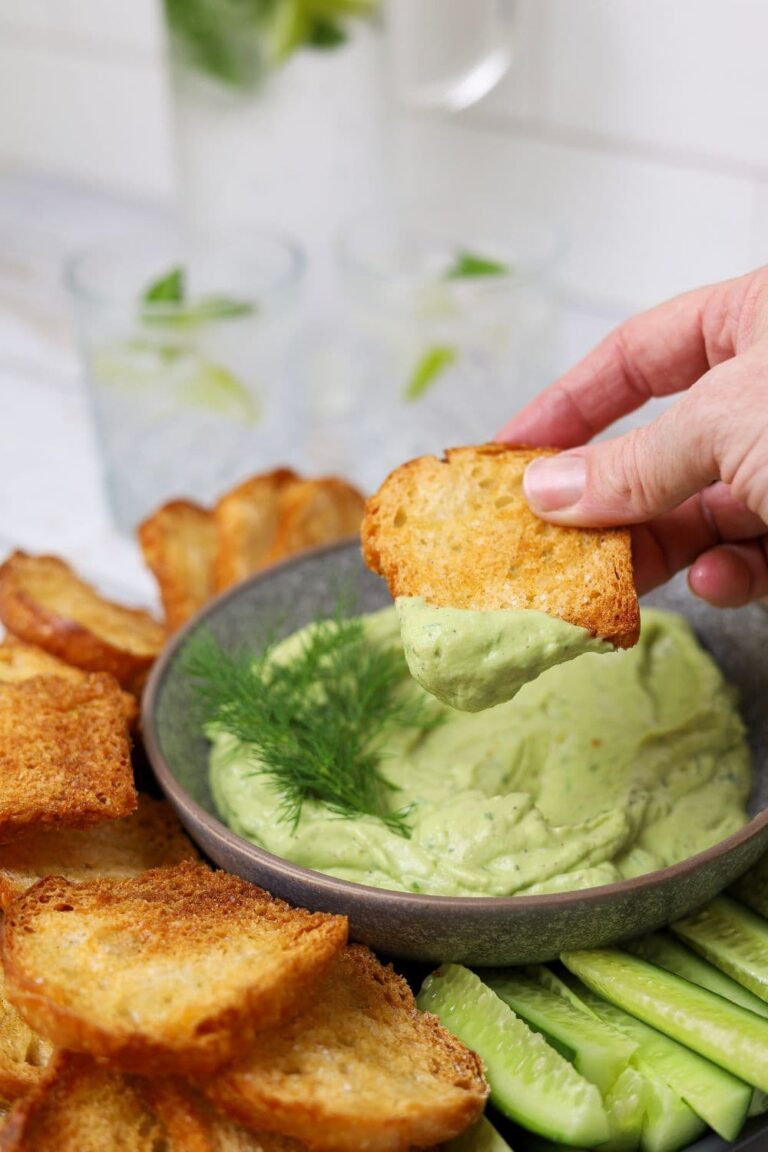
758	1105
530	1082
666	952
481	1137
597	1053
719	1098
733	939
668	1122
724	1033
547	978
752	887
625	1105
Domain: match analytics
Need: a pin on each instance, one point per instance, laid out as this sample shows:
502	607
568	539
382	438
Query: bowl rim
381	897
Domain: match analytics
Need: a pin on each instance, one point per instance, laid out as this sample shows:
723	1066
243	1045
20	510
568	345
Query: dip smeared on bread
488	595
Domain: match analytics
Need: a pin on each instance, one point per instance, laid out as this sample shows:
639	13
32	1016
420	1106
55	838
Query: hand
694	482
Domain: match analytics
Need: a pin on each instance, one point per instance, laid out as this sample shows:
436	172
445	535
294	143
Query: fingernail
554	483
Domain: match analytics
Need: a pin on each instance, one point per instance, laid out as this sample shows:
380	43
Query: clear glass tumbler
192	357
444	334
289	105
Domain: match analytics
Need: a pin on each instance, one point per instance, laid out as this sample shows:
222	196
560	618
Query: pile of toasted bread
195	553
148	1002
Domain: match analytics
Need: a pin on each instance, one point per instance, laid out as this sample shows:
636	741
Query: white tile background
641	130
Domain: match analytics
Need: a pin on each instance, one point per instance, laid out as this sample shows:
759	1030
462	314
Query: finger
656	353
731	575
674	541
643	474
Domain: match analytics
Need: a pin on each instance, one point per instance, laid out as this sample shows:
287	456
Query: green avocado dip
604	767
475	660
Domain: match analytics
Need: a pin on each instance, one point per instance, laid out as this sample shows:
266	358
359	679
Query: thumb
631	479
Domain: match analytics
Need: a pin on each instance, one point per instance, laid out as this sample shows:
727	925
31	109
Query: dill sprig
315	724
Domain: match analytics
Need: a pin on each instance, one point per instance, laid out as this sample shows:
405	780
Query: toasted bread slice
246	523
151	837
180	542
359	1068
80	1106
314	512
64	755
171	971
20	661
459	533
194	1125
43	602
23	1054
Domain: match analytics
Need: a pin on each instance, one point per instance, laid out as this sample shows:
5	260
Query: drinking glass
443	335
192	359
289	105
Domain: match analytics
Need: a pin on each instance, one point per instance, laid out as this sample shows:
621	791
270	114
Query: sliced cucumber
548	979
759	1103
719	1098
530	1082
481	1137
734	939
669	1123
540	1144
532	1143
596	1052
625	1104
666	952
726	1034
752	887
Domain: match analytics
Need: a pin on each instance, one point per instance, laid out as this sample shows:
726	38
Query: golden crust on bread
192	1123
20	661
151	837
361	1068
172	971
44	602
80	1106
458	532
180	543
246	522
64	754
314	512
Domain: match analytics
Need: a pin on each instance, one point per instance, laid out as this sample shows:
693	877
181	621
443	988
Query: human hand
694	482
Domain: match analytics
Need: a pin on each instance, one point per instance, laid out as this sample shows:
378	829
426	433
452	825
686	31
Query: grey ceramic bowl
475	930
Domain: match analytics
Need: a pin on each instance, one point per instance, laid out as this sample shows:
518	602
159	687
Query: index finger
655	353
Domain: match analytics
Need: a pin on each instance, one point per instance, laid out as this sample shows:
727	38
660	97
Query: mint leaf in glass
168	289
238	42
429	368
326	34
171	289
469	264
204	311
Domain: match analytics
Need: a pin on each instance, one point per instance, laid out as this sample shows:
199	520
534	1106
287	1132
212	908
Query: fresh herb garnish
238	44
324	33
430	366
171	288
469	264
317	724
